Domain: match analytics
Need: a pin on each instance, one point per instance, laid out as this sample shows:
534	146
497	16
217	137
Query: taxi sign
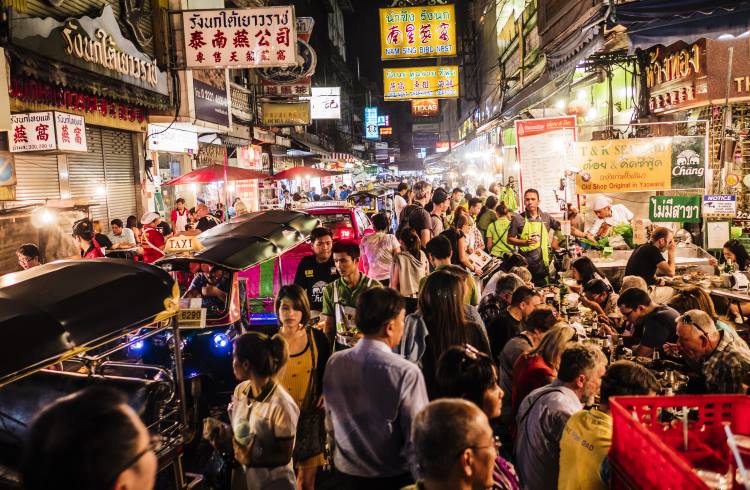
182	244
322	204
191	318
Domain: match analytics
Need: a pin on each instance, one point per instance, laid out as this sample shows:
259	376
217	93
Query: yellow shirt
584	444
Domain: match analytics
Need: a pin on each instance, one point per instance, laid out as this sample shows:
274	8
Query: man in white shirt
611	214
122	238
399	200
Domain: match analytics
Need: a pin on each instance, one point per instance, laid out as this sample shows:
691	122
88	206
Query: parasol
303	172
216	173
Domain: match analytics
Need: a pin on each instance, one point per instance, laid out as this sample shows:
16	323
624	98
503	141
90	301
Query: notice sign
417	32
680	209
719	206
240	38
421	82
285	114
51	130
71	132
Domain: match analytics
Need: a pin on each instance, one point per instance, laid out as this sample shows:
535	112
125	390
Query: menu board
542	145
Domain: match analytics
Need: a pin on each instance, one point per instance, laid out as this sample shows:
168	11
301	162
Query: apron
345	315
181	222
501	246
538	259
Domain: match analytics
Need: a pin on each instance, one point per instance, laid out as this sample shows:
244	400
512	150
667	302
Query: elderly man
544	412
609	214
454	446
723	357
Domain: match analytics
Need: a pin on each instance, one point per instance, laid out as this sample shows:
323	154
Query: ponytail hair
266	355
411	241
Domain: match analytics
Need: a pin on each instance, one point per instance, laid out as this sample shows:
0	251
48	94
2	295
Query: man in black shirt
315	271
648	259
205	220
655	324
509	322
415	216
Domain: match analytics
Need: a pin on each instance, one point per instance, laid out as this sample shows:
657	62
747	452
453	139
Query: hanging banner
539	140
719	206
421	82
240	38
371	123
285	114
639	164
674	209
417	32
425	108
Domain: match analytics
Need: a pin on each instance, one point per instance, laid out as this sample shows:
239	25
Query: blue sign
371	123
384	121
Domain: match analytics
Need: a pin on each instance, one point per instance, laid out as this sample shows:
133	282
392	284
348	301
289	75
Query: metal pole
180	375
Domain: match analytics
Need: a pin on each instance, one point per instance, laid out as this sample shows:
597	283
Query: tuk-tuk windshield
209	283
340	224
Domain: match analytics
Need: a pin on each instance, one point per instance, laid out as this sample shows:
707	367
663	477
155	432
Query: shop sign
171	140
417	32
424	140
296	79
424	108
210	96
371	123
210	154
381	145
250	157
240	99
386	131
719	206
285	113
263	136
325	103
426	128
676	76
640	164
384	120
381	155
674	209
240	38
43	131
95	44
283	141
421	82
442	146
31	95
7	177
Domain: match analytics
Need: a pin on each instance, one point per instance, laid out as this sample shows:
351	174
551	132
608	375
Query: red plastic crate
647	453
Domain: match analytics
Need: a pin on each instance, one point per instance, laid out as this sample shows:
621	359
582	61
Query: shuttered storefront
118	170
36	176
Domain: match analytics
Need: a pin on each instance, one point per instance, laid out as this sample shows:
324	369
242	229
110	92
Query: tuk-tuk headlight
221	341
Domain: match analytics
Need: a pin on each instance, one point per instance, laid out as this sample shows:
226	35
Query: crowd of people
391	363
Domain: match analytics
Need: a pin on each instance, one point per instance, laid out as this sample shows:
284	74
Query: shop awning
652	22
303	172
578	44
216	173
302	148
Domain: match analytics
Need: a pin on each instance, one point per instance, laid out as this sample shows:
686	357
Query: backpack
403	219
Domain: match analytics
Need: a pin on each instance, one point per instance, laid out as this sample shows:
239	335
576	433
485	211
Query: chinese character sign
326	103
417	32
285	114
371	123
33	131
240	38
71	132
421	82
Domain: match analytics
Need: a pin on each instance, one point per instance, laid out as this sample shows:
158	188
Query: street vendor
608	215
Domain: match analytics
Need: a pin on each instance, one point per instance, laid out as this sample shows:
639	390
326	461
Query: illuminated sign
417	32
424	108
384	121
386	131
371	123
420	82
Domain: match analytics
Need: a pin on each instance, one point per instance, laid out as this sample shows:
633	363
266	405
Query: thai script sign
285	114
50	130
720	206
417	32
639	164
421	82
240	38
71	132
681	209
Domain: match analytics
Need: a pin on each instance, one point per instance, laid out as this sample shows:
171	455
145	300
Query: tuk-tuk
79	317
218	273
373	200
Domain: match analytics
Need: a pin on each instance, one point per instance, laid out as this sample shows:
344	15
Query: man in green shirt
340	296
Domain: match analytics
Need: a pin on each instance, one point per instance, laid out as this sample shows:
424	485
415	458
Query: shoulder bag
311	432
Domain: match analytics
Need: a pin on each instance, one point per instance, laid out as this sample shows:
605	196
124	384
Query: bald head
697	334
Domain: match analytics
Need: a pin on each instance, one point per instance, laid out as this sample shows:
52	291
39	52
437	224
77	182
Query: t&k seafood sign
240	38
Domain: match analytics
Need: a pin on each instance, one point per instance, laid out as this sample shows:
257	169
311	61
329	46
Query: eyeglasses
688	320
155	444
495	444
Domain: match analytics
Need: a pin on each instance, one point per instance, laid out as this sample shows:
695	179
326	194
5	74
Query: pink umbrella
216	173
303	172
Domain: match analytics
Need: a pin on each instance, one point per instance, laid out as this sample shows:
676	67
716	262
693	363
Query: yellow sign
417	32
627	165
182	244
285	114
386	131
192	318
421	82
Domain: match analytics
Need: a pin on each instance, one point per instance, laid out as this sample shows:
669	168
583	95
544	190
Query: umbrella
216	173
294	172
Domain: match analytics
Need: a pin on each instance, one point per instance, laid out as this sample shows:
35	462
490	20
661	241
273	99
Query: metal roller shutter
118	169
37	177
86	174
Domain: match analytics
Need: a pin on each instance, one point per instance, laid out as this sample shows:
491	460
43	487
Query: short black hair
521	294
402	187
320	232
180	200
474	201
348	247
633	298
463	373
439	196
29	250
596	286
439	247
380	221
81	440
626	378
532	191
542	318
457	189
116	222
376	307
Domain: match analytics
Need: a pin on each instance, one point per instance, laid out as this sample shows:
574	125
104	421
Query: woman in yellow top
497	232
302	377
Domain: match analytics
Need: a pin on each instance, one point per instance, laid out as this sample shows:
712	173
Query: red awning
215	173
303	172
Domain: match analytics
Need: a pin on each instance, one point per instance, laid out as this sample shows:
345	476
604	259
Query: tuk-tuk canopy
56	310
375	192
248	240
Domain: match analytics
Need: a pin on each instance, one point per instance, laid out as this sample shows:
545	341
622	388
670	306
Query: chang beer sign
674	209
688	162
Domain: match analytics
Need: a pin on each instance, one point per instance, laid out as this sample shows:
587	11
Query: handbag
311	433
